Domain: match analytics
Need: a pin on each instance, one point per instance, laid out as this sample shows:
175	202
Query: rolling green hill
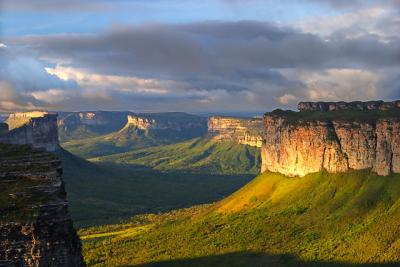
199	155
347	219
101	193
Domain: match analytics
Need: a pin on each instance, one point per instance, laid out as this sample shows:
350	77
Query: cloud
211	65
219	48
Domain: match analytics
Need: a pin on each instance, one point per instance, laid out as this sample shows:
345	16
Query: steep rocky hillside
333	139
35	225
142	130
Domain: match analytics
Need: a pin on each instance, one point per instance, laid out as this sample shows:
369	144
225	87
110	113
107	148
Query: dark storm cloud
212	49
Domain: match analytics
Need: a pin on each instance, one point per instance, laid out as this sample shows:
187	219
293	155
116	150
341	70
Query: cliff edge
38	129
244	131
35	225
335	140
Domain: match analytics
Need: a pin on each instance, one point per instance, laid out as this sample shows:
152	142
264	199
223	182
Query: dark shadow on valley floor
248	259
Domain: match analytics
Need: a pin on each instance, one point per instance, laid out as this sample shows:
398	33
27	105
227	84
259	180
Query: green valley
199	155
101	193
322	219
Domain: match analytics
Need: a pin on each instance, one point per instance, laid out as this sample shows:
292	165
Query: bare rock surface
244	131
300	143
35	225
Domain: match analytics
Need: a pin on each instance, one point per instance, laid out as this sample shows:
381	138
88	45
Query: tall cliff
35	225
244	131
38	129
298	143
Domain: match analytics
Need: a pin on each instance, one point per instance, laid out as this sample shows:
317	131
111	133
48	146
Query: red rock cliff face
296	149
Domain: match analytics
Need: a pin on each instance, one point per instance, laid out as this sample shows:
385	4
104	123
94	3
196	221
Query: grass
100	193
294	117
126	139
322	219
199	155
19	198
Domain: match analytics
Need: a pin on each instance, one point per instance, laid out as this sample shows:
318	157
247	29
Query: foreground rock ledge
35	225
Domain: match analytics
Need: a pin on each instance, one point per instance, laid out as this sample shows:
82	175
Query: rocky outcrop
167	121
144	123
85	124
244	131
296	145
39	132
356	105
35	225
16	120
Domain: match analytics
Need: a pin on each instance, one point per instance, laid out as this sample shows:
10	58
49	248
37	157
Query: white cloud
287	99
88	80
378	21
53	96
338	84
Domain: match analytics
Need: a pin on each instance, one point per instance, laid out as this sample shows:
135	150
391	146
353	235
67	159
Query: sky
196	56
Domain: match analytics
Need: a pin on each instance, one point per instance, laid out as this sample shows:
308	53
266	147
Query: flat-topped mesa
241	130
176	121
355	105
35	224
39	132
299	143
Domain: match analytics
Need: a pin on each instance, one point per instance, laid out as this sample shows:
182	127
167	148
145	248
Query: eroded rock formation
298	143
244	131
39	132
35	225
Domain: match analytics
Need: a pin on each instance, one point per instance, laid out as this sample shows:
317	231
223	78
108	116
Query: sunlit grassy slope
116	142
321	219
106	193
200	155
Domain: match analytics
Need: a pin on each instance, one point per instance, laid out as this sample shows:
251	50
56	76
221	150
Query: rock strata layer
295	147
244	131
39	132
35	225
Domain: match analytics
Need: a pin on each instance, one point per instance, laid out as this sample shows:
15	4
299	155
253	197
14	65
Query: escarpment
35	225
172	124
38	129
298	143
244	131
